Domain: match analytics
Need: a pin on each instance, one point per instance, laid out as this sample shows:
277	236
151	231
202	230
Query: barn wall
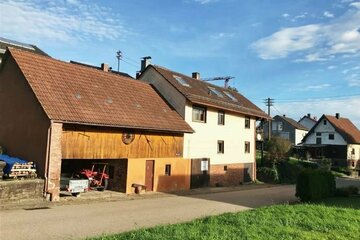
23	123
90	143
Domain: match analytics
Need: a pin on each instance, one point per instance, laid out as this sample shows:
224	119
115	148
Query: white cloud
328	14
317	108
205	1
331	67
318	87
315	42
73	20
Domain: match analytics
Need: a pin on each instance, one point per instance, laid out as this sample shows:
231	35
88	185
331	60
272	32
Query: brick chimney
337	115
309	115
145	61
105	67
196	75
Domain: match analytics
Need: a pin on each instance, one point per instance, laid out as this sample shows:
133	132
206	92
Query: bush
267	175
277	149
289	171
315	184
346	191
308	164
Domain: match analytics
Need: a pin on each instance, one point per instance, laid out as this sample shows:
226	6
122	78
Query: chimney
105	67
337	115
284	115
196	75
145	61
309	115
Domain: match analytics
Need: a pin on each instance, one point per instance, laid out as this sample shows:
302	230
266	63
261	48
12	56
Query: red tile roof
199	92
346	128
78	94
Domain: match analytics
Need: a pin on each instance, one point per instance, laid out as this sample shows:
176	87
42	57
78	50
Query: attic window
215	91
231	96
181	81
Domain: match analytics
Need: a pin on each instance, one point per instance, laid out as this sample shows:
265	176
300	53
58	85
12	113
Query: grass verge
336	218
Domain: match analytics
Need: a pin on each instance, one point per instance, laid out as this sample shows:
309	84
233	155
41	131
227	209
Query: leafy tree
277	150
232	88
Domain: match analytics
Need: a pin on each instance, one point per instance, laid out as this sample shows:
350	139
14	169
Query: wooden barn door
200	176
149	175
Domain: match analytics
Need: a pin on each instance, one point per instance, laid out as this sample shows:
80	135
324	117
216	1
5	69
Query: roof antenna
119	57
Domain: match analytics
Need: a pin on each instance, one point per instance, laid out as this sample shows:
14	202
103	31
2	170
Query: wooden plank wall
108	144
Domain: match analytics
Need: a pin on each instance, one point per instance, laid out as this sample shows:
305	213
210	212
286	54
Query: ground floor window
168	169
220	146
247	147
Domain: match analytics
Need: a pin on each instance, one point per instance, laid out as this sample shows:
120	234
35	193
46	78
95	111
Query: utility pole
269	102
119	57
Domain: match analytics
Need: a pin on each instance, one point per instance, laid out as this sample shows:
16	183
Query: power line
329	98
135	66
131	60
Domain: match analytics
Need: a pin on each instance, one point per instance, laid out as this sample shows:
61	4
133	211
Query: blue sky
303	54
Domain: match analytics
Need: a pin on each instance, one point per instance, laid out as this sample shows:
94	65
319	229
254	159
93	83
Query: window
325	122
318	134
318	140
247	122
353	151
199	114
168	169
280	126
231	96
331	136
221	118
247	147
181	81
215	91
220	146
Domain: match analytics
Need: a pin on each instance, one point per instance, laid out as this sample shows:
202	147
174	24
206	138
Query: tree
277	150
232	88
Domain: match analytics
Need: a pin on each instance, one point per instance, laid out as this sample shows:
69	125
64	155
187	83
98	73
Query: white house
222	149
335	138
307	121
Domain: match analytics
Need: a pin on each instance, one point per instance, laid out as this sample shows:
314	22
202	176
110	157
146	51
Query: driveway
93	219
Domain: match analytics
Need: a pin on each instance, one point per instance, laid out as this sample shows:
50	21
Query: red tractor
98	178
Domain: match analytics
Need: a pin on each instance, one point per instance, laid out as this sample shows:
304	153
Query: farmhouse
64	116
336	138
222	149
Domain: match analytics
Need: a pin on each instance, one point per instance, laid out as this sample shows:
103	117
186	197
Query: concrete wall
12	191
203	143
172	96
325	130
299	135
179	179
23	123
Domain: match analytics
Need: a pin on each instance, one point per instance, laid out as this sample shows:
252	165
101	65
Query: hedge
315	184
268	175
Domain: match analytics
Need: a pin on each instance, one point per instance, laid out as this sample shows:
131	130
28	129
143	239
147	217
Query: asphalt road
94	219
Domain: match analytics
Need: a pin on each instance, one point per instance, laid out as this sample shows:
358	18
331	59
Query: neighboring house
5	43
308	121
335	138
222	149
64	116
287	128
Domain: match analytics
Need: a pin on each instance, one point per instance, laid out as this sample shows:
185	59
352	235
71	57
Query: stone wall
17	190
231	174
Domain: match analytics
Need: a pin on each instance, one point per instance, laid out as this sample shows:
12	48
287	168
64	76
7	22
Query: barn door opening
200	176
149	175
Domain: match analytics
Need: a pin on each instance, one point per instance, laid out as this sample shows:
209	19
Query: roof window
215	91
231	96
181	81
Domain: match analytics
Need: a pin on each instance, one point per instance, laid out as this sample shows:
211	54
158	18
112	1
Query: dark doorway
149	175
200	176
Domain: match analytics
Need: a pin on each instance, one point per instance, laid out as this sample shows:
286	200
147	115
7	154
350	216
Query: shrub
308	164
267	175
346	191
289	171
315	184
277	149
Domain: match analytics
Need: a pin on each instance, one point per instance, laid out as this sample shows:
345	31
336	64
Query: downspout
48	143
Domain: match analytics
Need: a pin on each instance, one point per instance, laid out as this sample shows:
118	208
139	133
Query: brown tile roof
79	94
293	123
198	92
345	127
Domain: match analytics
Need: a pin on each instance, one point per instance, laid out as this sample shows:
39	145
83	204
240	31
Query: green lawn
300	221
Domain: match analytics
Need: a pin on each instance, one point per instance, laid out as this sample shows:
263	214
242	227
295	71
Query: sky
304	54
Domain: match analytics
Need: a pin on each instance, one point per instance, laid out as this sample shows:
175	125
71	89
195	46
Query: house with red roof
65	116
336	138
222	147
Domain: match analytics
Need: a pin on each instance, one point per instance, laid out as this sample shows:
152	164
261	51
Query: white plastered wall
299	135
325	130
203	142
356	148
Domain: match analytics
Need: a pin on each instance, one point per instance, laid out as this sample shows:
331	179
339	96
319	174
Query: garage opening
115	170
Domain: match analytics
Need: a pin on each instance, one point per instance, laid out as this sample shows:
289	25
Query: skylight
216	92
231	96
181	81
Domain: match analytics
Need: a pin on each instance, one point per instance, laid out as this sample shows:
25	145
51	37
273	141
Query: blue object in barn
10	161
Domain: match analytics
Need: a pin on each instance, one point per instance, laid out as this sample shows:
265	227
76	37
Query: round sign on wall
128	138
